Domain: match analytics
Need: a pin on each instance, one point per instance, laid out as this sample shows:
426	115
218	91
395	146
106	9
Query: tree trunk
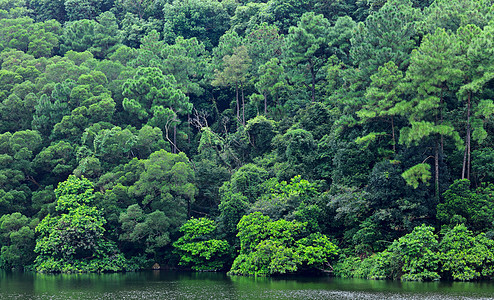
441	116
188	125
243	103
465	171
175	139
238	104
436	167
393	133
469	144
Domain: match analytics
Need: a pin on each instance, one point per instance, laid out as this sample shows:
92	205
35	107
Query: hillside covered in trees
256	137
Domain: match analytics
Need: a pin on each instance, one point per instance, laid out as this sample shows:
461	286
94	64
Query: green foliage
187	60
346	266
392	209
232	208
77	9
386	35
17	239
339	36
277	247
163	186
414	256
416	174
166	182
271	81
38	39
49	112
297	199
482	165
205	20
382	95
307	49
332	114
351	163
148	230
316	250
57	159
155	98
465	256
99	37
248	181
234	72
295	150
198	249
73	239
461	13
261	131
418	252
471	207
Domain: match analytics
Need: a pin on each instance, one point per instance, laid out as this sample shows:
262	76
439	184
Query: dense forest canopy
260	137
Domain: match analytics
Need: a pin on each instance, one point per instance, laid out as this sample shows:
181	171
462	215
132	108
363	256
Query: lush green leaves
197	247
73	239
277	247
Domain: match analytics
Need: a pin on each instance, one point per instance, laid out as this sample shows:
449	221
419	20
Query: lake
189	285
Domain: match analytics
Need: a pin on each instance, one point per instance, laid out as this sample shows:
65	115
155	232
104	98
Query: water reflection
184	285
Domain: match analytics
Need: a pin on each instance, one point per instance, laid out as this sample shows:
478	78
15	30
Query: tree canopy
256	137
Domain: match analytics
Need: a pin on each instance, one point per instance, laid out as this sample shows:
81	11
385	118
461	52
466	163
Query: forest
349	137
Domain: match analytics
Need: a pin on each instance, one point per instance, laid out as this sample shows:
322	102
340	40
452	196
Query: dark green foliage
482	165
17	239
209	178
187	60
247	181
232	207
206	20
134	29
287	13
148	231
167	183
339	36
296	152
157	99
418	253
307	50
351	164
98	37
414	256
81	9
350	119
386	35
16	112
58	160
460	13
260	131
463	205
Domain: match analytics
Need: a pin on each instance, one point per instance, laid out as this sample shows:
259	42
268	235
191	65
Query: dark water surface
179	285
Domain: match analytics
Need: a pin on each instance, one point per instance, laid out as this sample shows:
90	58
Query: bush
465	256
278	247
198	250
412	257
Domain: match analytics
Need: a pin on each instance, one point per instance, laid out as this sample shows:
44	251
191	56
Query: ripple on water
176	285
268	294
